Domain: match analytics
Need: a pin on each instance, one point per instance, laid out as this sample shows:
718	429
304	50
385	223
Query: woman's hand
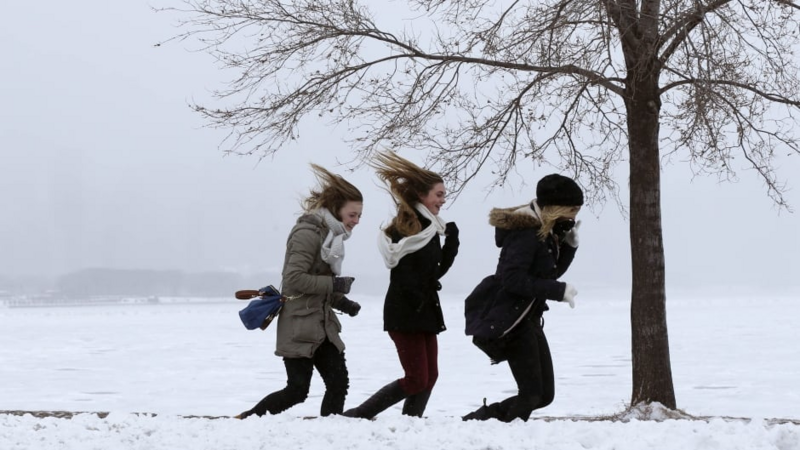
450	229
345	305
571	237
569	295
341	285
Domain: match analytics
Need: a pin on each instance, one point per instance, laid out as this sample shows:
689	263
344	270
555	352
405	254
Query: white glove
569	295
571	238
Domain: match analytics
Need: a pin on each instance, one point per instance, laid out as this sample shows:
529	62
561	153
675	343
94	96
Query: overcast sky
103	164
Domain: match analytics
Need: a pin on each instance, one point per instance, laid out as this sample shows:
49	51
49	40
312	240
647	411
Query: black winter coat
525	277
412	300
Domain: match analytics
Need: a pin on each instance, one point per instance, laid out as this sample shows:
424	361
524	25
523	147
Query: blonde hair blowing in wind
407	183
551	213
333	192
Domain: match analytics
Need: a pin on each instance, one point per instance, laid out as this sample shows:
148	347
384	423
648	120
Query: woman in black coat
412	249
503	313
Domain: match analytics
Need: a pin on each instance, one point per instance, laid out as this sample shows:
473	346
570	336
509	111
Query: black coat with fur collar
525	277
412	300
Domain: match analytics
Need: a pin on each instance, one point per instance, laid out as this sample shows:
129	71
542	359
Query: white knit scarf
332	251
393	252
531	209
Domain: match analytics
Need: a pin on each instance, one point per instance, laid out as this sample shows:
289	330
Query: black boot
486	412
415	404
481	413
506	411
380	401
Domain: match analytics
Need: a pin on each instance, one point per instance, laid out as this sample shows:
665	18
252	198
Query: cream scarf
393	252
332	251
531	209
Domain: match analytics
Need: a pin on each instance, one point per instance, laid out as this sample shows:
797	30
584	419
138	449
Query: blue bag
261	312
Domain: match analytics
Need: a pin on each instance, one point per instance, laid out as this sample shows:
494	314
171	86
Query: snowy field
733	354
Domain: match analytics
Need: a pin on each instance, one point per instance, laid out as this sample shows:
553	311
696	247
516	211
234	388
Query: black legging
532	367
330	364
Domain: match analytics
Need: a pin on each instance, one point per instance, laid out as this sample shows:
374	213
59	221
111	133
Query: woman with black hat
503	313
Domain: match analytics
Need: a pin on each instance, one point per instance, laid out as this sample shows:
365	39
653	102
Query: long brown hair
407	183
332	193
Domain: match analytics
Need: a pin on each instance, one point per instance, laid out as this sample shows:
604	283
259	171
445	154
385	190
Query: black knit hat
558	190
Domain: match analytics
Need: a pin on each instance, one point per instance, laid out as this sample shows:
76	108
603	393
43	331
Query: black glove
562	227
450	229
346	306
341	285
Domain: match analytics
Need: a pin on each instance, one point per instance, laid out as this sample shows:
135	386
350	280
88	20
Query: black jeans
528	355
331	366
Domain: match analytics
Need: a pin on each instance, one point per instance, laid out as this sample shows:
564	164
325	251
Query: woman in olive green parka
307	319
308	329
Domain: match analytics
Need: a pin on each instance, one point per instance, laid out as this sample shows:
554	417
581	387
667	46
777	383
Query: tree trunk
652	373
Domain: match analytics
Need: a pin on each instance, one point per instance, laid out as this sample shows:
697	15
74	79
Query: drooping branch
491	86
771	96
398	94
720	117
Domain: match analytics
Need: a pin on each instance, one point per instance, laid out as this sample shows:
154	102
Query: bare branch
493	85
774	97
681	28
788	3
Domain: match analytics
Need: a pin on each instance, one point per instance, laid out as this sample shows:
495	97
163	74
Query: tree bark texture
652	373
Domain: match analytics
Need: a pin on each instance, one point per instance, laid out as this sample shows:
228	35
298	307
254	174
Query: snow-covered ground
733	354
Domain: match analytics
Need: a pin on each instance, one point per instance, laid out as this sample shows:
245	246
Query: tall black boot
415	404
380	401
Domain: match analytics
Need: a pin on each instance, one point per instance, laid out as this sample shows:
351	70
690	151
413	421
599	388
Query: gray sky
103	164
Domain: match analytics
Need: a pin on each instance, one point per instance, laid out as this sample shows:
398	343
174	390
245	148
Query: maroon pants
418	354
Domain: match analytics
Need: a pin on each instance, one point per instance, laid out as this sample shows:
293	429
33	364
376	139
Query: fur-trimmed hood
514	218
511	219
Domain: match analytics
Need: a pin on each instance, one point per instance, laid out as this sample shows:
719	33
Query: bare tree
485	85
